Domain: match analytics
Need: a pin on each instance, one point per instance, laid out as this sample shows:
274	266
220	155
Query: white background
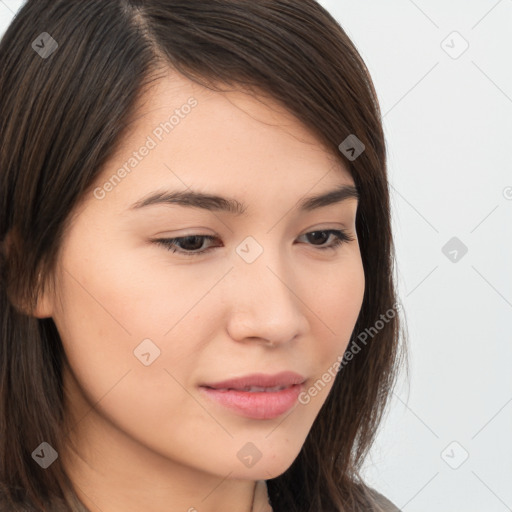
448	124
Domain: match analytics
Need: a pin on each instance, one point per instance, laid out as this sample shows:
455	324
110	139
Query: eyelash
342	237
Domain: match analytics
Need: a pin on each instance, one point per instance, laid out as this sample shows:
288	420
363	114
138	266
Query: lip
259	379
261	405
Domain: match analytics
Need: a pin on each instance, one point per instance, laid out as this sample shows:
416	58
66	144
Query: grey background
448	124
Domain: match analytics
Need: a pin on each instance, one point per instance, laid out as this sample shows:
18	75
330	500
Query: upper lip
284	379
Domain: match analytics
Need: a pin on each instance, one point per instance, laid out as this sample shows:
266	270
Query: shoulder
383	504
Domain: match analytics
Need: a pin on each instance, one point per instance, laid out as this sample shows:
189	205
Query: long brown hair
63	114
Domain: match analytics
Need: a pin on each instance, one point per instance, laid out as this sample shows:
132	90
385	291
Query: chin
263	472
270	465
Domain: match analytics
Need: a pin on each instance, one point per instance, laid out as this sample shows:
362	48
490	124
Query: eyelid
342	237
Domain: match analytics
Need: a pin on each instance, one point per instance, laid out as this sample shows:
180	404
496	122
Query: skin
148	439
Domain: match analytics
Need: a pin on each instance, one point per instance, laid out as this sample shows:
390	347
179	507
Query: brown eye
341	237
191	245
188	245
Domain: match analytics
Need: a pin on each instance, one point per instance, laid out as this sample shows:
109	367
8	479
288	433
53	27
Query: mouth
259	382
251	389
257	396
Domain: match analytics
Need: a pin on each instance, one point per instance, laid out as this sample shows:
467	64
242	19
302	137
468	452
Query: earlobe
43	307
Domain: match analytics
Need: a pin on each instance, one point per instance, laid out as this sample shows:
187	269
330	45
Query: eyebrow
210	202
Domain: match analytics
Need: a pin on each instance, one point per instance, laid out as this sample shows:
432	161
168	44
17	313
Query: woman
139	371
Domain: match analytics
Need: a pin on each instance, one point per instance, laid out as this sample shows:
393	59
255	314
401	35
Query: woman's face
145	328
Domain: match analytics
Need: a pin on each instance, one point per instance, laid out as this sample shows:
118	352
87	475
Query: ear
44	305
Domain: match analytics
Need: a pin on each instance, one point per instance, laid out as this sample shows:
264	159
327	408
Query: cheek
108	307
109	303
337	300
114	299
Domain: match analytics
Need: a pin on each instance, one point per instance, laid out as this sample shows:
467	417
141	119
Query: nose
264	302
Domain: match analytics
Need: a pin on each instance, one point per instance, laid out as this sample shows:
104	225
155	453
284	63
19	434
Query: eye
190	245
340	237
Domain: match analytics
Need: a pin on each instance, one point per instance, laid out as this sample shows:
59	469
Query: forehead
235	118
221	143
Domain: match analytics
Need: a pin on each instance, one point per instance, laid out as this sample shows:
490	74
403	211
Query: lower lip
257	405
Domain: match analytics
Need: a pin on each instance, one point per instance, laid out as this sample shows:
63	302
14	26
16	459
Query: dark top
383	502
